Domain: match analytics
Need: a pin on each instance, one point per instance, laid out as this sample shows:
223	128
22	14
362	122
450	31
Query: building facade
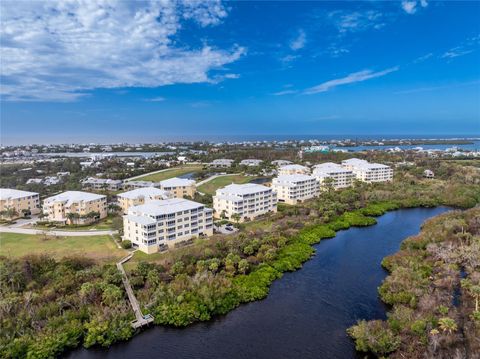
251	163
21	202
296	188
222	163
368	172
102	184
333	173
280	163
140	196
179	187
74	207
247	201
293	170
162	224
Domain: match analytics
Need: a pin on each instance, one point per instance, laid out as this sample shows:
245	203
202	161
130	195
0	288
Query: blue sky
114	71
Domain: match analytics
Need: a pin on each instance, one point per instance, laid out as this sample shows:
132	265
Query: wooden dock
140	319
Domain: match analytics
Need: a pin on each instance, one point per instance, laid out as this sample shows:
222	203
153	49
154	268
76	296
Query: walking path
4	229
140	319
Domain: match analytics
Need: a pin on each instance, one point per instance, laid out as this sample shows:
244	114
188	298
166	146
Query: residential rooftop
177	182
8	193
241	189
144	192
73	197
164	206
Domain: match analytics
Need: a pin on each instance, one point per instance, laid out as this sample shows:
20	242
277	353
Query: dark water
261	180
188	175
306	313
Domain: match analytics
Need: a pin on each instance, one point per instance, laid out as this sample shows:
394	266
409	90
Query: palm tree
236	217
447	325
473	290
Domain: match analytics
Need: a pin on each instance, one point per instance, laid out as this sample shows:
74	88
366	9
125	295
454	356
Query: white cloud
299	42
155	99
410	7
356	21
456	52
59	50
349	79
423	58
284	92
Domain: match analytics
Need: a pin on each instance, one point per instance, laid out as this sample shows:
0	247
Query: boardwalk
140	319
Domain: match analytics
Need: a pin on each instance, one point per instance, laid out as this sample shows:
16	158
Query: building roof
241	189
293	168
329	167
291	180
164	206
71	197
362	164
8	193
177	182
143	220
223	160
145	192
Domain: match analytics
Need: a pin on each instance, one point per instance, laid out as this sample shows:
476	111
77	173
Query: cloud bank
61	50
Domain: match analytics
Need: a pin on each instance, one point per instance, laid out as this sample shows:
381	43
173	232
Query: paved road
55	233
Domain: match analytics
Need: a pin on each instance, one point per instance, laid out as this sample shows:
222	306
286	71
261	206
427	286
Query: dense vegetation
434	290
197	282
48	306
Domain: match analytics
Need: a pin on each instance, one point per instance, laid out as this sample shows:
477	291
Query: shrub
126	244
374	336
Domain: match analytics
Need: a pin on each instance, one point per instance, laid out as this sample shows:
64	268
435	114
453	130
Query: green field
98	247
170	173
211	186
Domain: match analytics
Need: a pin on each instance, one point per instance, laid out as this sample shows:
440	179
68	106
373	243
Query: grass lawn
211	186
101	248
170	173
104	224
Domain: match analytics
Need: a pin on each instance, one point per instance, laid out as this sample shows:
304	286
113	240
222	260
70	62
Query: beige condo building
58	208
293	170
140	196
179	187
337	175
248	201
369	172
23	202
162	224
293	189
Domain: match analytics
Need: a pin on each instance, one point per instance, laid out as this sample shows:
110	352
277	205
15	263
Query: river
307	311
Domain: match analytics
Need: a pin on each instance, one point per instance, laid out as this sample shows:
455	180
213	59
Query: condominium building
293	170
222	163
22	202
368	172
59	208
280	163
179	187
140	196
251	163
338	176
139	184
102	184
245	200
161	224
296	188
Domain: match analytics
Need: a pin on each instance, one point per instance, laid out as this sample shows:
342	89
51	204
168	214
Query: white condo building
140	196
293	189
368	172
161	224
293	170
339	176
247	200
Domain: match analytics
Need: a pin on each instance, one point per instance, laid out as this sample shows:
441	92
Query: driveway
24	221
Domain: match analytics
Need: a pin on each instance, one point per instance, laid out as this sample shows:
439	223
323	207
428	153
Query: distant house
222	163
34	181
293	170
251	162
102	183
428	174
280	163
140	184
